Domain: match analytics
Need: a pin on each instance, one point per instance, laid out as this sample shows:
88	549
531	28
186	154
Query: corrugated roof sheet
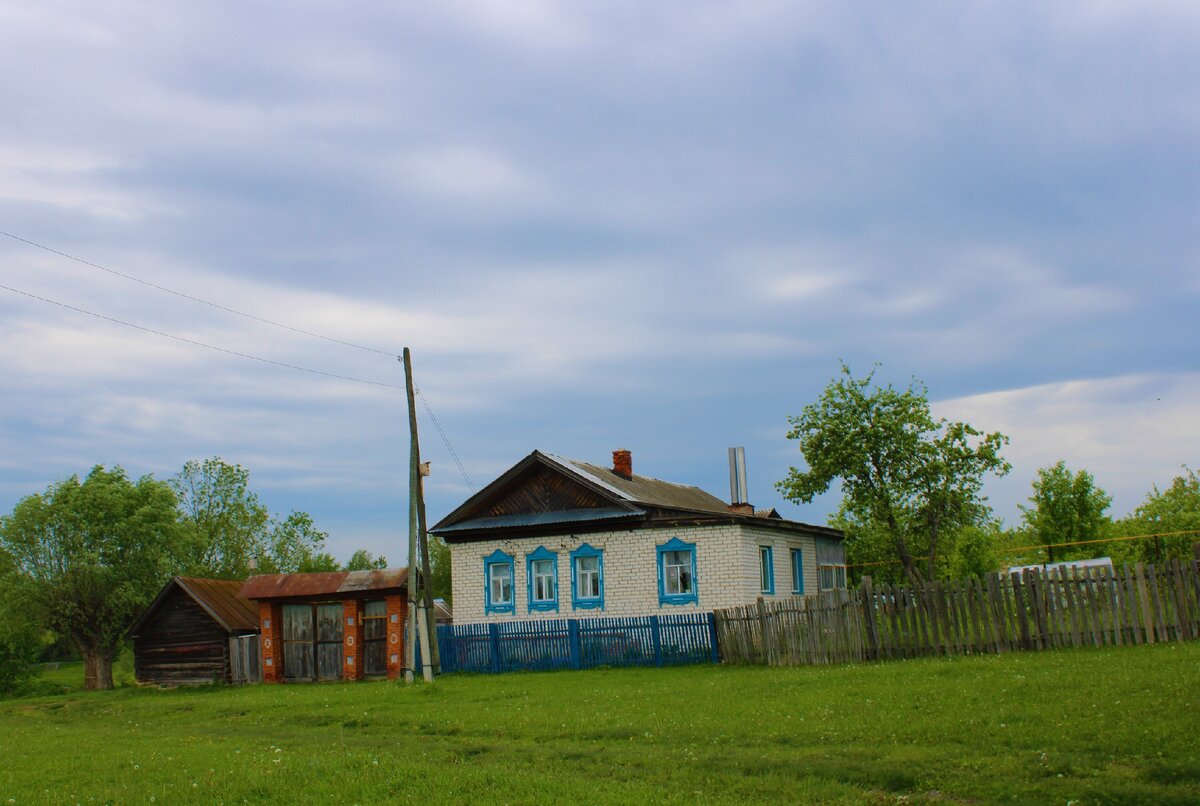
645	490
276	586
442	612
222	599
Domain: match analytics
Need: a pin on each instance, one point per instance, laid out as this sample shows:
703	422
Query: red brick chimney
741	509
623	463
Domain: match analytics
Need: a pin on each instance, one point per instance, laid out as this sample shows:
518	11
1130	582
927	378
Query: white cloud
1130	432
463	173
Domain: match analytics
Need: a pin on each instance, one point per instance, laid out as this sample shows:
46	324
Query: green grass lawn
1092	726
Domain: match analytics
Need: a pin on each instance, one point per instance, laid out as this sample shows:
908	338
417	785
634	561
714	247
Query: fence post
762	631
656	638
868	607
712	637
494	640
573	640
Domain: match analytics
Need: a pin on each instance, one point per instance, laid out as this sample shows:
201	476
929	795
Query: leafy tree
903	473
294	545
91	555
1166	512
363	560
439	572
975	552
20	639
1066	508
227	521
230	526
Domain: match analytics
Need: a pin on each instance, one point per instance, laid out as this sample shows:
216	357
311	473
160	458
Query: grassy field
1091	726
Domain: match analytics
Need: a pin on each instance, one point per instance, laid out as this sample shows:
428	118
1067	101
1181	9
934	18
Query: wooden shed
335	625
197	631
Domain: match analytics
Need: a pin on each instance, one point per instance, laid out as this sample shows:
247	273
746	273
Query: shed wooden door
329	641
375	637
298	642
312	641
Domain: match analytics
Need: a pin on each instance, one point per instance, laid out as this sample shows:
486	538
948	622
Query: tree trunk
931	573
906	559
97	668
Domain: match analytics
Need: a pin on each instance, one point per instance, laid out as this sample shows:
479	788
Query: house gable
543	489
536	492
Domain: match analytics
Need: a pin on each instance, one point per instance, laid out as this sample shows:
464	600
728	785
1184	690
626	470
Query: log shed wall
181	645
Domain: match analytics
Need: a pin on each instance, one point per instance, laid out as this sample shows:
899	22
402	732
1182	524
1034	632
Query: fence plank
998	607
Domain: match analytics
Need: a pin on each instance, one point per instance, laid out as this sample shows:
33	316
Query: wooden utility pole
417	622
434	656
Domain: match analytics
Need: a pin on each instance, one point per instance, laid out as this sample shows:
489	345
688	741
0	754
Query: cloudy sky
646	226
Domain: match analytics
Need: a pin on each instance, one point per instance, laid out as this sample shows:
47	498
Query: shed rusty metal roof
220	598
442	612
324	583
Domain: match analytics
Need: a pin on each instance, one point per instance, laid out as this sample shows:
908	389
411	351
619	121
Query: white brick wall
727	571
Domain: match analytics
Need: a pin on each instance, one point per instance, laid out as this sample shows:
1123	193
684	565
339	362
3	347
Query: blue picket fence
578	643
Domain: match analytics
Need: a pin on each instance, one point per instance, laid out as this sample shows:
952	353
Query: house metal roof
637	498
539	519
644	489
325	583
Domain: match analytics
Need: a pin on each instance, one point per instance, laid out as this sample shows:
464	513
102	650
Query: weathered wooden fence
578	643
1069	607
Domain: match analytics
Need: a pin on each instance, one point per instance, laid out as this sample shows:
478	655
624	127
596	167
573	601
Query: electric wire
211	304
446	441
424	401
199	343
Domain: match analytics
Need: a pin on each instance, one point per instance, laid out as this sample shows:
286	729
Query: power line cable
209	303
199	343
218	306
446	440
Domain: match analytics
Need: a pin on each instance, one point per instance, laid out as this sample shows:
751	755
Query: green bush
20	645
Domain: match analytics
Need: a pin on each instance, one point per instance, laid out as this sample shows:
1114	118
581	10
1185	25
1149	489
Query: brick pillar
397	613
352	630
270	625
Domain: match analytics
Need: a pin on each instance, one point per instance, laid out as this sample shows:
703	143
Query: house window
831	563
766	569
542	572
498	581
797	571
677	573
832	577
375	637
587	578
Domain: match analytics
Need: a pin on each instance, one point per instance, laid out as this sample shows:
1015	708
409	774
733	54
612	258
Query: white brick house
560	538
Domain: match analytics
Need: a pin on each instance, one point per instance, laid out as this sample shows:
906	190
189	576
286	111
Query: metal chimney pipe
737	476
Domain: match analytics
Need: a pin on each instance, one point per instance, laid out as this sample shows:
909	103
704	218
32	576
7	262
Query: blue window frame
541	575
587	578
677	573
797	571
766	569
498	583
